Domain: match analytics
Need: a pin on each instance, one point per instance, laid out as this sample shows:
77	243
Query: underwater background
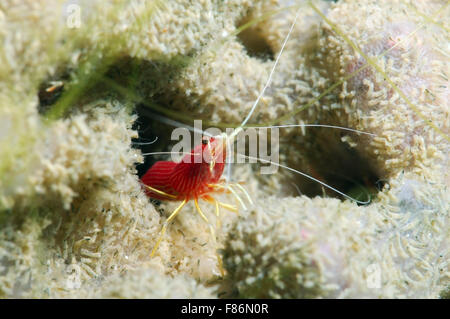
88	87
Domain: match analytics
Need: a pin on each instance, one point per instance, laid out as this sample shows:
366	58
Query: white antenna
315	125
252	110
272	71
309	177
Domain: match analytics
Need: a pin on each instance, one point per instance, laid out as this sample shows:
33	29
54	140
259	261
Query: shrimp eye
205	141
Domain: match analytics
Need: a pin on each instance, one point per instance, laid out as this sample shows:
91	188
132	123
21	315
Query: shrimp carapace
192	177
196	176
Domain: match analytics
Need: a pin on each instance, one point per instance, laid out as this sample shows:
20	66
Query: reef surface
78	77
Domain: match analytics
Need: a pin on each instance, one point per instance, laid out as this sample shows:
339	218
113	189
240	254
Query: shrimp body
196	176
192	178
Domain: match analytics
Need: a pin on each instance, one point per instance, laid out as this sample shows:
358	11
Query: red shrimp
192	178
196	176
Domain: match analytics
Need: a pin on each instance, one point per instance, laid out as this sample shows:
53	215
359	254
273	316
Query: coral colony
76	86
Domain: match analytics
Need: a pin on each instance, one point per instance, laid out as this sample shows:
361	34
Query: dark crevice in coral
154	136
339	166
254	42
129	79
155	131
137	78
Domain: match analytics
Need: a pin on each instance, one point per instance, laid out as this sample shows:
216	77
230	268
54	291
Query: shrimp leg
244	191
163	230
157	191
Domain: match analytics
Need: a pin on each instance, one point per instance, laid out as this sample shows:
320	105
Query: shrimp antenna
315	125
309	177
145	143
170	153
271	72
174	123
252	110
